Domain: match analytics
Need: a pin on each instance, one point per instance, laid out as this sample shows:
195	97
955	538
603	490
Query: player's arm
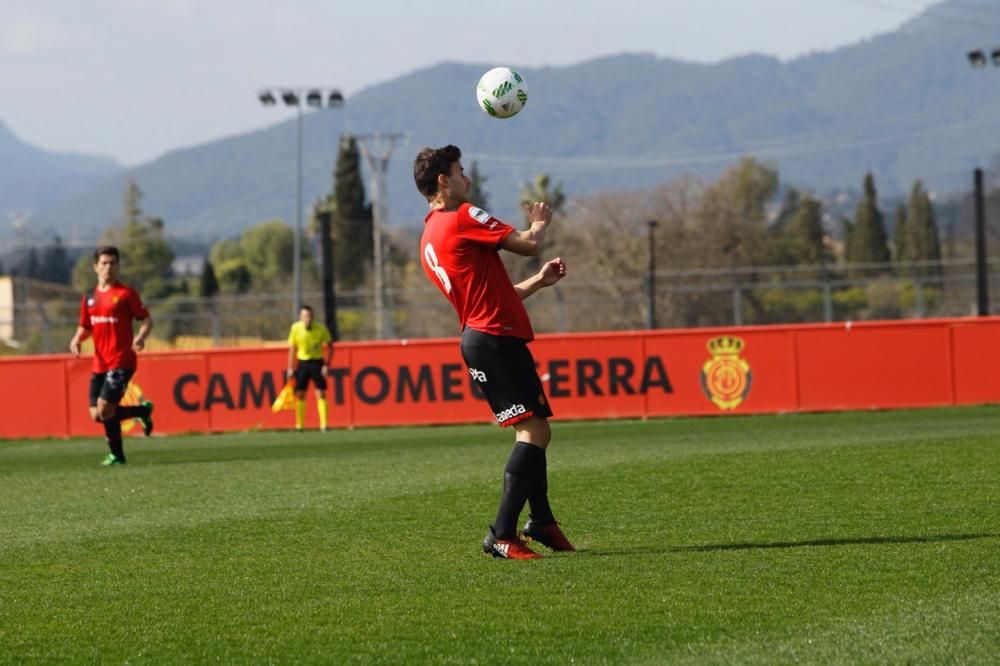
81	335
329	357
291	360
528	243
145	328
553	271
140	314
82	328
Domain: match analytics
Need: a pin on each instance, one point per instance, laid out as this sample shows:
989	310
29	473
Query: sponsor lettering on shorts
509	413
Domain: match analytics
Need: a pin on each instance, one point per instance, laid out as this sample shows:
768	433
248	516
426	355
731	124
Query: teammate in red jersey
107	313
460	252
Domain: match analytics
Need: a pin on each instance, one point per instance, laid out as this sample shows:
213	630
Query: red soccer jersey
108	315
460	252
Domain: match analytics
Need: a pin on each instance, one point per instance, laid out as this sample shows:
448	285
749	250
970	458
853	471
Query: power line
782	147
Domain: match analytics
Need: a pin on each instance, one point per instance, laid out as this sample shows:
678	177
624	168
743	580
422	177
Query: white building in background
190	265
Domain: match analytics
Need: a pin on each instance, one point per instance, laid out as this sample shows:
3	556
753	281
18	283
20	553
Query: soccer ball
502	92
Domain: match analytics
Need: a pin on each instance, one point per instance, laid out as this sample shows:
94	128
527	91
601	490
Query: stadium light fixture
977	58
292	97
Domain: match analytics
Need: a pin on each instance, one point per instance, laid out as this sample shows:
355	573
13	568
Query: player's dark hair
431	163
106	249
305	307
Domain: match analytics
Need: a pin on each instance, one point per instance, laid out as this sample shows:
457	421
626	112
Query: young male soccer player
106	313
306	340
459	250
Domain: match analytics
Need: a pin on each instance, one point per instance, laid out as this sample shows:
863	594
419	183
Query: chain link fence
37	317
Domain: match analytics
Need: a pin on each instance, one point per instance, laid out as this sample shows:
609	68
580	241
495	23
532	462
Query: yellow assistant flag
285	399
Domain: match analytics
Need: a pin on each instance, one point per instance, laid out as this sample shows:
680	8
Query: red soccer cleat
548	535
508	549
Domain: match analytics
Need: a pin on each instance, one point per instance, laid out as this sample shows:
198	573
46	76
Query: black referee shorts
504	370
109	385
307	371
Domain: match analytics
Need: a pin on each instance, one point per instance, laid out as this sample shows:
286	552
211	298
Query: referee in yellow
306	342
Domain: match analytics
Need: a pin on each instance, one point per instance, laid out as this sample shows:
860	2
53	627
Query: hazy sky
132	79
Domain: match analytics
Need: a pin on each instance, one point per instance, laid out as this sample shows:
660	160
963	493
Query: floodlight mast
293	96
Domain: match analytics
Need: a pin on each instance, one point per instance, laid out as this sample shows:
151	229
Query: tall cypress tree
208	284
351	221
31	265
901	236
55	263
806	231
781	244
867	242
922	240
477	192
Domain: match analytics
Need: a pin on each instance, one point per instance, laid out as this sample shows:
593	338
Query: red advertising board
637	374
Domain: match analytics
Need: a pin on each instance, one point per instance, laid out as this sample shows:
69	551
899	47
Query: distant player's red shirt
460	252
108	315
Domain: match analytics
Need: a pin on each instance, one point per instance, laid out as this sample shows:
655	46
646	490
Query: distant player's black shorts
504	370
109	385
307	370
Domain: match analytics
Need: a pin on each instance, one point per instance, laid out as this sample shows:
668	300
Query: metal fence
43	320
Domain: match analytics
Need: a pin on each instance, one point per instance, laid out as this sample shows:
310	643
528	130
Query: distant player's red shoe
508	549
549	535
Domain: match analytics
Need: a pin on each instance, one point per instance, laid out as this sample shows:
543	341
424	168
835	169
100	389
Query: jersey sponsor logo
509	413
478	375
98	319
726	377
480	215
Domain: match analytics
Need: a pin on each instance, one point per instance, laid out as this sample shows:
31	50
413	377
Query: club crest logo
726	377
114	299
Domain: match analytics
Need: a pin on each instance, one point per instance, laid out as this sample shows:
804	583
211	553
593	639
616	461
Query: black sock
520	476
538	499
113	435
131	412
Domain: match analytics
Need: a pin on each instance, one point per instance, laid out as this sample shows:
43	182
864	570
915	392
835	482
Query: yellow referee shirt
309	341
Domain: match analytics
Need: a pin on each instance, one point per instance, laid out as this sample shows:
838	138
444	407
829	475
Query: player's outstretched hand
74	347
538	212
553	271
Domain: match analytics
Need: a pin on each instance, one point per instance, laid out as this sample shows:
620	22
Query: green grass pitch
860	537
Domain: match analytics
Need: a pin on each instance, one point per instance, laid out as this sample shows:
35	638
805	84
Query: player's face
458	183
106	268
306	317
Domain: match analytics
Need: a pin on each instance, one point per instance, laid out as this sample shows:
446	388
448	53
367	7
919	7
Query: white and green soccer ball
502	92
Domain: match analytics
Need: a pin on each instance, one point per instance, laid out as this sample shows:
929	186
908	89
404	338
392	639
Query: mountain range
904	105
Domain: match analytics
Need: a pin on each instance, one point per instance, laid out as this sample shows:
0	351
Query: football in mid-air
502	92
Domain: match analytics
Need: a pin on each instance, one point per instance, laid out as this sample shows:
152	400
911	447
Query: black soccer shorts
109	385
310	370
504	370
